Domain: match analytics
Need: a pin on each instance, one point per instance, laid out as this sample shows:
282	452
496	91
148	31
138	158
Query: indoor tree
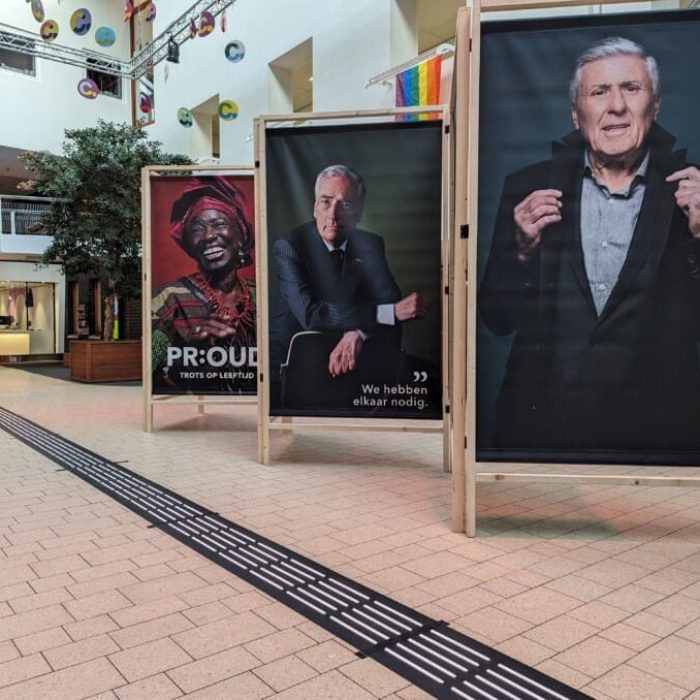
95	216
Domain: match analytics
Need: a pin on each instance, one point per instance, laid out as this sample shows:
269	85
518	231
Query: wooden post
459	272
261	267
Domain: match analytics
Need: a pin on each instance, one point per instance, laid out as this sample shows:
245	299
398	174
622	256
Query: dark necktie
337	256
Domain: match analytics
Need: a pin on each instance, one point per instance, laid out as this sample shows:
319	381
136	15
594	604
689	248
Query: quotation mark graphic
420	376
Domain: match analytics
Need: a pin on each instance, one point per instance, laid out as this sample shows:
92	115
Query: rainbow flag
419	85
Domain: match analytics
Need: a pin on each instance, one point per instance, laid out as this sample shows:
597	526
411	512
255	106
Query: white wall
351	43
37	109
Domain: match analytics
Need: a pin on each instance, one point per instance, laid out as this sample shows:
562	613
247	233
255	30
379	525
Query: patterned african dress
182	364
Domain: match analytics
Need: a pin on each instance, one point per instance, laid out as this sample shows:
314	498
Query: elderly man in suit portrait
595	269
333	277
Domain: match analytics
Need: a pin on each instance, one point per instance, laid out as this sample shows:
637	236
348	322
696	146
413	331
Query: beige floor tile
326	656
330	686
625	683
151	630
468	601
149	659
674	660
561	632
653	623
213	669
224	634
41	640
245	686
91	627
629	636
538	605
492	623
158	687
373	677
599	615
97	604
563	673
594	656
525	650
285	673
79	652
279	644
22	669
677	608
79	681
26	623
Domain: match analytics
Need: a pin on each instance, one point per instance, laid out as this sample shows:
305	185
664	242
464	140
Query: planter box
105	360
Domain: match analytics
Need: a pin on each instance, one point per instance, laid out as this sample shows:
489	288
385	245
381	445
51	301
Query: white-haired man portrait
595	269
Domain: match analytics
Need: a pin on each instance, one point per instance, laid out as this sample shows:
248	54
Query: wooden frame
149	401
267	423
467	470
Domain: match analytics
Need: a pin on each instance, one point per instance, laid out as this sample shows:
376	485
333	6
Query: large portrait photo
354	228
588	249
203	301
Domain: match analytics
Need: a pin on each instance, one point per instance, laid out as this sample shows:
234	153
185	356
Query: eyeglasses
343	206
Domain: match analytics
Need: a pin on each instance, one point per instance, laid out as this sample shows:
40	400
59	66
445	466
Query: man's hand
688	196
343	357
537	211
211	329
413	306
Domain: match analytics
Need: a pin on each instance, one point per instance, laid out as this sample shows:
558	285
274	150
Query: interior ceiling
437	20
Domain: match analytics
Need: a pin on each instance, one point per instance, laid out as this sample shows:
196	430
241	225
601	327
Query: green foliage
95	219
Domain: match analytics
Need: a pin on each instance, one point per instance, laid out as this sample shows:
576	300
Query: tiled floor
598	586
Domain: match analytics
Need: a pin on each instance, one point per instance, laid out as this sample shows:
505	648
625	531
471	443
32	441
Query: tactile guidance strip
426	652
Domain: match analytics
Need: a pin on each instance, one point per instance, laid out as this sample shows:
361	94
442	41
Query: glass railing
22	215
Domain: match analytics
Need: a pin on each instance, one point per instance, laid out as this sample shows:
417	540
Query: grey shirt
608	220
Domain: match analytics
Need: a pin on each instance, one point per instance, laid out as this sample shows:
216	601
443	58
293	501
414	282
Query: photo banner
588	250
355	270
203	300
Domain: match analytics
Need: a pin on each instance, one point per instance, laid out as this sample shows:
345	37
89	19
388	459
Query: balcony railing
20	219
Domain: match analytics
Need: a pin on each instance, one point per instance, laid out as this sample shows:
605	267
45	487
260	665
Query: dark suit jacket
627	379
310	296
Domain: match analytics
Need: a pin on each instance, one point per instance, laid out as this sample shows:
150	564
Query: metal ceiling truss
139	64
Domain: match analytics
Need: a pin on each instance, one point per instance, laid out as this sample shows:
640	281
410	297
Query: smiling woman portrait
213	307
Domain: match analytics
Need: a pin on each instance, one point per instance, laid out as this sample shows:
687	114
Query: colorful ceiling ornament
151	12
38	10
228	110
193	28
184	116
105	36
81	21
235	51
128	10
49	30
145	103
88	88
206	24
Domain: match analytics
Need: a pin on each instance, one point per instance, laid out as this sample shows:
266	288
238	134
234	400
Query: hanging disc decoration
184	116
88	88
151	13
49	30
105	36
193	28
128	10
81	21
145	104
38	10
235	51
206	24
228	110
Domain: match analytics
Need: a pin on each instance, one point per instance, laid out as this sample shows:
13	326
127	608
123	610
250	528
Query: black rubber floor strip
426	652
